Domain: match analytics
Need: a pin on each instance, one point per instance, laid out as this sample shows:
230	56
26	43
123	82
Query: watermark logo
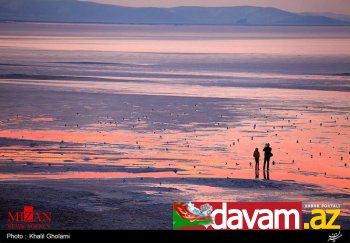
29	219
323	216
237	215
333	237
188	216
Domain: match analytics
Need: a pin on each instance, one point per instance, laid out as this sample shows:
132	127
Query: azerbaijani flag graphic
187	217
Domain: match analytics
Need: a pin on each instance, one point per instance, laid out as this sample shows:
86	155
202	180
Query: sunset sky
335	6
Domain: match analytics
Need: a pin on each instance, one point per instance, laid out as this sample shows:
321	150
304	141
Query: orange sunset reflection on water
304	149
118	101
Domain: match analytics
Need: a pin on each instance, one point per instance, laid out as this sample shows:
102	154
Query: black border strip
181	236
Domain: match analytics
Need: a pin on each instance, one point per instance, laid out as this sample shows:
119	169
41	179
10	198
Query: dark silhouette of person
267	155
256	156
267	175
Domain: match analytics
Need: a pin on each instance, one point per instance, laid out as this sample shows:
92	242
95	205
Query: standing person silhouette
267	175
256	156
267	156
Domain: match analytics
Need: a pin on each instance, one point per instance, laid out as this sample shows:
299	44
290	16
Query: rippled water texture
106	101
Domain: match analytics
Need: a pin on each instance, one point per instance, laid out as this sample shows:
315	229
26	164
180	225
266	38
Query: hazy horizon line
341	7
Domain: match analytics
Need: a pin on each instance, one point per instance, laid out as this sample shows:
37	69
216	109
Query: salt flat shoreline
135	203
106	128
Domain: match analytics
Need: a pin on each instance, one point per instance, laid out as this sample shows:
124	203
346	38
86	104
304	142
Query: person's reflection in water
266	174
256	173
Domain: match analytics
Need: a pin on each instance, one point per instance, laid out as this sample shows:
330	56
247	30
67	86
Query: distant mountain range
89	12
343	17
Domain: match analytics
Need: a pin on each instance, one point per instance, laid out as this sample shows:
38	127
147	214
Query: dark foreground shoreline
115	204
